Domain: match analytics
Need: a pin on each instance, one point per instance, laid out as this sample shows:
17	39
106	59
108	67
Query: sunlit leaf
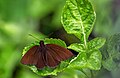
96	43
83	60
94	61
78	18
77	47
55	41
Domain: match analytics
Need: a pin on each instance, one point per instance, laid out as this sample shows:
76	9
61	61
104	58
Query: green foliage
78	18
92	45
111	61
96	43
82	73
77	47
11	36
91	60
18	18
55	41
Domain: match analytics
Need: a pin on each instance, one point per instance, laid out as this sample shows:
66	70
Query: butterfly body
45	55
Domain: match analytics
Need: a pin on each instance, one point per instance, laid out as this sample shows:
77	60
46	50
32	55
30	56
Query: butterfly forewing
55	54
61	52
30	57
51	61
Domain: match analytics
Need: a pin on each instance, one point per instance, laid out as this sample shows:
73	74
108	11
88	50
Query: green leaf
109	64
86	60
48	70
79	61
95	59
77	47
78	18
113	44
55	41
96	43
112	52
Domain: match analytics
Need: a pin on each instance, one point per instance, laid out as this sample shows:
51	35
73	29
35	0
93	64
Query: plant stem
34	37
92	75
84	73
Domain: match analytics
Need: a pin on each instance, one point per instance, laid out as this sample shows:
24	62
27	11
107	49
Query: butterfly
43	55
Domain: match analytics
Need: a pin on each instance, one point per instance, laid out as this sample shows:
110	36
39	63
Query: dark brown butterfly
46	55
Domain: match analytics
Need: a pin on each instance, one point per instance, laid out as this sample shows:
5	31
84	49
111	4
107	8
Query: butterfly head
42	44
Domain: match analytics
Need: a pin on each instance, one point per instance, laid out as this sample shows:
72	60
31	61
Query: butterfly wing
41	60
34	57
51	58
30	57
55	54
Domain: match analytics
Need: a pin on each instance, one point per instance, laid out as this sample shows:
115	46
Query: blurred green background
41	18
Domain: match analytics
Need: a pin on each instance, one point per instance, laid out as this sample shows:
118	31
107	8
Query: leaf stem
84	38
83	30
34	37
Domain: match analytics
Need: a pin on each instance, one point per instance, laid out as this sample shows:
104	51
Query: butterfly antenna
34	37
